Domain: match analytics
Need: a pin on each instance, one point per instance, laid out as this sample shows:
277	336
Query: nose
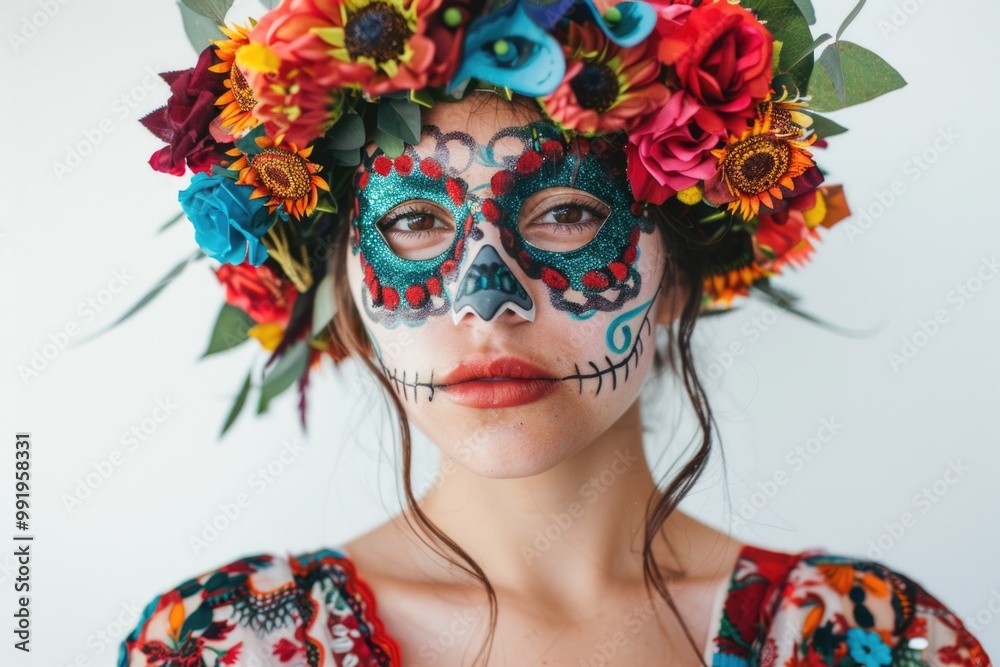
489	287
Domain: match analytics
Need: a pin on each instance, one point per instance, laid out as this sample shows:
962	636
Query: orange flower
756	168
282	172
238	101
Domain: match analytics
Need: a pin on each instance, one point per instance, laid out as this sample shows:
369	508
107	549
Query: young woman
504	284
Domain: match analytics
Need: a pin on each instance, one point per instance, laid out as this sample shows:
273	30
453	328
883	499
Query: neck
576	529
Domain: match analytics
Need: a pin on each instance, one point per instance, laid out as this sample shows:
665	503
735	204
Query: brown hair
686	266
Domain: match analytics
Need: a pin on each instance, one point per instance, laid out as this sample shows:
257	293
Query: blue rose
227	223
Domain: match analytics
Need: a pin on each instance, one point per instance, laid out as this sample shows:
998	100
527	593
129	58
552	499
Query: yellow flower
282	172
239	100
268	335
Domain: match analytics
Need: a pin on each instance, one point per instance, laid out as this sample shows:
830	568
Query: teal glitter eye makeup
591	259
563	209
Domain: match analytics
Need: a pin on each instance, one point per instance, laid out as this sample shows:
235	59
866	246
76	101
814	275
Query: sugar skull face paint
563	211
501	246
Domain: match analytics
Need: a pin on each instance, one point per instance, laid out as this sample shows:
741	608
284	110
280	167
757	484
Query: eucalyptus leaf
400	118
806	7
824	127
288	369
248	142
850	74
170	222
351	158
213	9
347	134
324	306
850	17
231	327
200	31
785	20
234	412
390	144
149	296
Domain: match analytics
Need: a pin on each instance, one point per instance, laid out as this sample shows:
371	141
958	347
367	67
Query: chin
510	442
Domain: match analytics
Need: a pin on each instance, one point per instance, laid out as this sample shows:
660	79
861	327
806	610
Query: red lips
497	383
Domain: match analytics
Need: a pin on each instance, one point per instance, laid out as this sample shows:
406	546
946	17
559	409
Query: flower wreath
715	101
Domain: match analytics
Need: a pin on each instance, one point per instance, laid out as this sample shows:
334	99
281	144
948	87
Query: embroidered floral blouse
790	610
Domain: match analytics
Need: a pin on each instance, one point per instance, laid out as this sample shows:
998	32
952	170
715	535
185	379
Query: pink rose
669	151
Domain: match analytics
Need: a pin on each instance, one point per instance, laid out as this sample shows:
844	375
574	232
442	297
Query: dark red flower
184	122
446	28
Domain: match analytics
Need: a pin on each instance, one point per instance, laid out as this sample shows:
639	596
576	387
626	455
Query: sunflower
758	167
606	86
282	172
387	38
787	118
238	101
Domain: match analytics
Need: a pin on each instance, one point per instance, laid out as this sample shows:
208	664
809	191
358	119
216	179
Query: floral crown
715	102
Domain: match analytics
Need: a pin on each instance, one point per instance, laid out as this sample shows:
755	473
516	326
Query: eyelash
576	202
386	226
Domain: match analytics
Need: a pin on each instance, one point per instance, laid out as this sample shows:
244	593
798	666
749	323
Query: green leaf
850	74
806	7
150	295
422	97
785	20
348	134
286	371
324	307
351	158
776	58
390	144
213	9
171	221
248	142
824	127
234	412
400	118
230	330
200	31
850	17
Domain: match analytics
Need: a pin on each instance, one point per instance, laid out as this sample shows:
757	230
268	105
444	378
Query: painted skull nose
489	287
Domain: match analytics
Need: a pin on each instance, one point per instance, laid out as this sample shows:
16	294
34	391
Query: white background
63	238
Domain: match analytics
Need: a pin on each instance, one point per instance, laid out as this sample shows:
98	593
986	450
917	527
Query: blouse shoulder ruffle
296	610
816	608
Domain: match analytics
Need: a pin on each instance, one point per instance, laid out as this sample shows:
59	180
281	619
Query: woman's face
509	284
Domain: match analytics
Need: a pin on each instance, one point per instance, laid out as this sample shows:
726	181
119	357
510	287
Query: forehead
480	116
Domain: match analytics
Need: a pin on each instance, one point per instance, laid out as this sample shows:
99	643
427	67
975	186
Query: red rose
258	292
447	40
184	122
722	57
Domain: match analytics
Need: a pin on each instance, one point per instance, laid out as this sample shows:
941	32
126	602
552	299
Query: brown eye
568	214
417	230
561	219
